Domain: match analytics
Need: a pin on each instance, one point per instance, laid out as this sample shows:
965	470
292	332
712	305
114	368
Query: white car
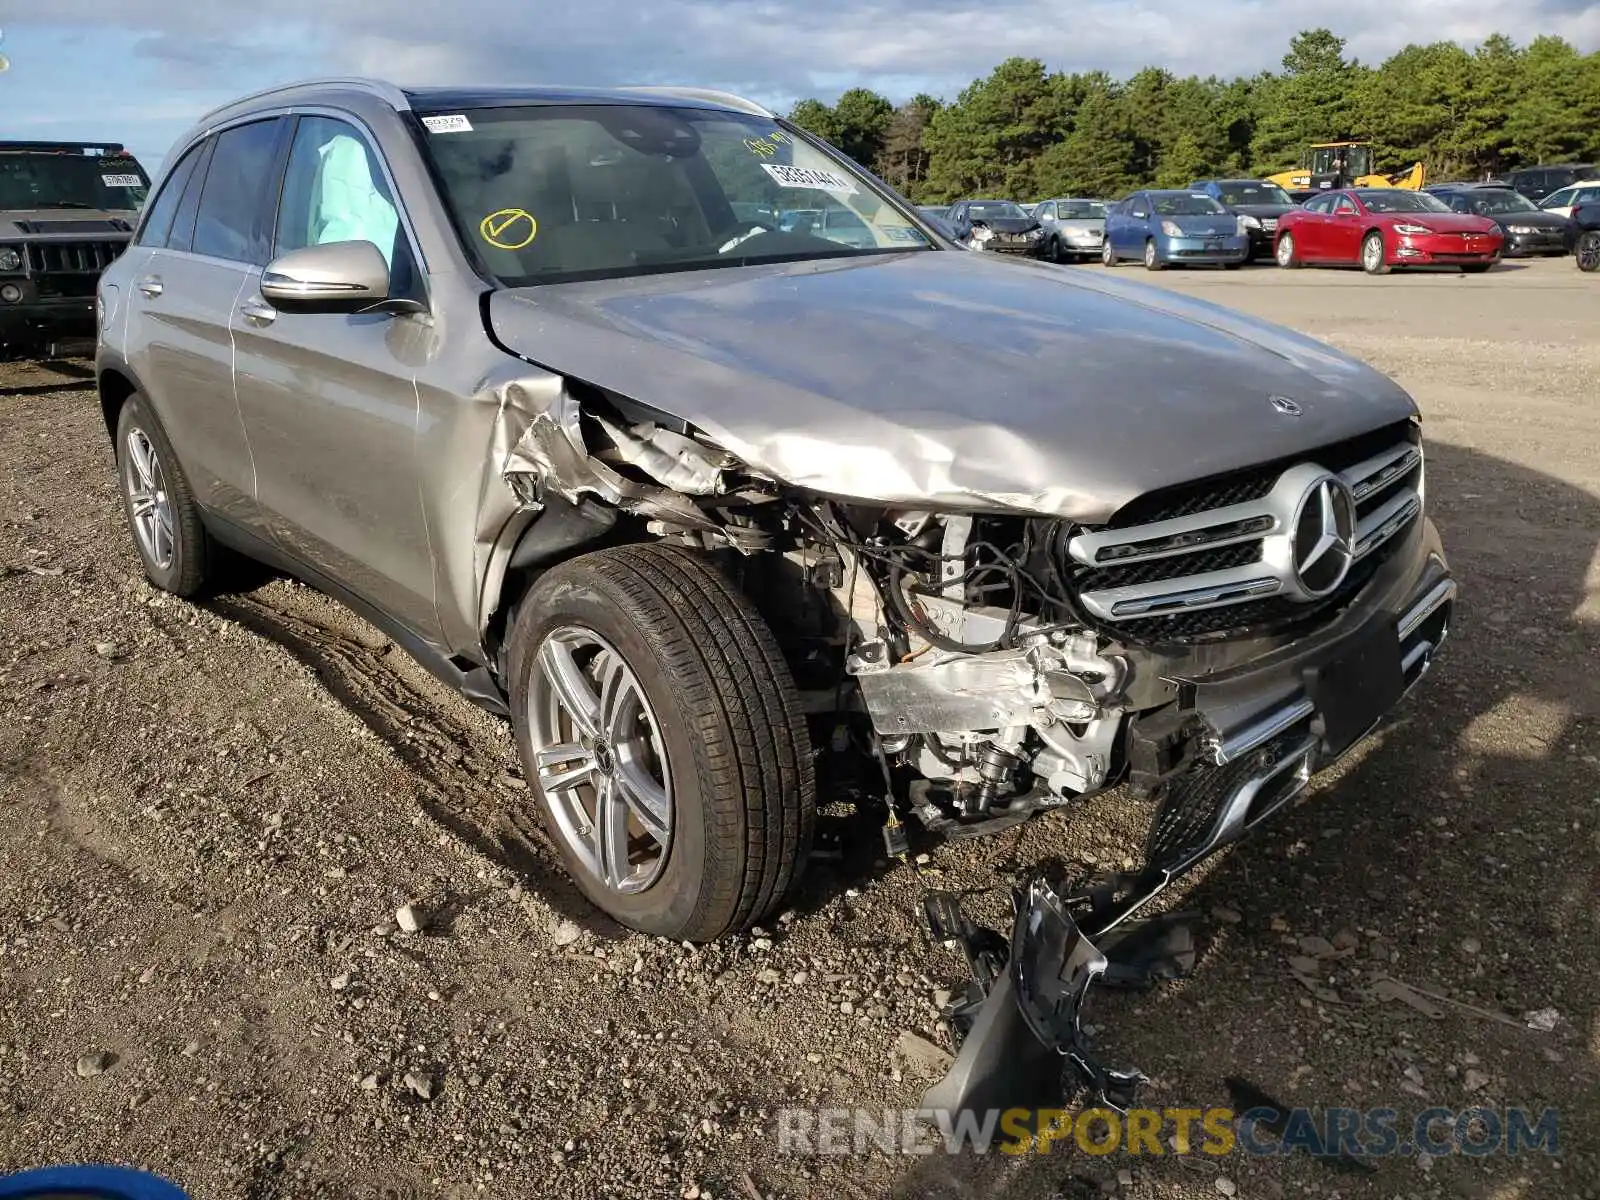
1564	200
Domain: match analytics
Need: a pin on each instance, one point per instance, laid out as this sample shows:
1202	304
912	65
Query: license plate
1213	243
1352	692
1269	225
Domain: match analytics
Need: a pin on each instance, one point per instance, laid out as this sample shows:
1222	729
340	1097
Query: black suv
1538	182
67	209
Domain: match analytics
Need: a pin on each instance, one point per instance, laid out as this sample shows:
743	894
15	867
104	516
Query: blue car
1166	227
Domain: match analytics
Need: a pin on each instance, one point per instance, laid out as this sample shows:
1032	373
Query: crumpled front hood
1007	224
952	380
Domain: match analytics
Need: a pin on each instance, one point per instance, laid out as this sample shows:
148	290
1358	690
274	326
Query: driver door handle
255	310
151	286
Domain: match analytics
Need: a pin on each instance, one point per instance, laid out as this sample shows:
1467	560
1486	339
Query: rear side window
181	236
231	223
158	217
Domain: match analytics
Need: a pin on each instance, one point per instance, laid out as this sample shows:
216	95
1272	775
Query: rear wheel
1152	256
663	733
1108	256
1285	252
161	508
1587	251
1373	256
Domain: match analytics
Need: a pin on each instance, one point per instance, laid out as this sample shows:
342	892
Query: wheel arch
115	384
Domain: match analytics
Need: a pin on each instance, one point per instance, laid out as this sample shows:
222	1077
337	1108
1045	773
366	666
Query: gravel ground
211	817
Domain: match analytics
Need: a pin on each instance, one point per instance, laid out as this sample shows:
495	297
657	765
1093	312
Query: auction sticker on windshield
809	177
509	229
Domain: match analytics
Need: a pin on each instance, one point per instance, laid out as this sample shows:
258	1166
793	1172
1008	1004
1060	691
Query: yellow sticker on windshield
509	229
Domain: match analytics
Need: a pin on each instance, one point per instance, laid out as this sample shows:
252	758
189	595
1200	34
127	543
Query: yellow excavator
1345	164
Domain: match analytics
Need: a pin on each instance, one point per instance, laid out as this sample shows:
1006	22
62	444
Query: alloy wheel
1588	251
1372	254
148	502
1286	250
1108	256
600	759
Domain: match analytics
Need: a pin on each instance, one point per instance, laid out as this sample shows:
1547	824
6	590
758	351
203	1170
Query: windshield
1080	210
559	192
1351	161
1184	204
1393	200
70	179
995	210
1499	201
1253	193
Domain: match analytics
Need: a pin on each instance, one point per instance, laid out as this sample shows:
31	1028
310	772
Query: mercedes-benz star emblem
1324	536
1285	406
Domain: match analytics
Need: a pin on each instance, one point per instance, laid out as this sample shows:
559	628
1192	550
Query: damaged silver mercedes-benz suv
651	422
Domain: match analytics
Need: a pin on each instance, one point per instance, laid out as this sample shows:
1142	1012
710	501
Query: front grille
58	258
1185	822
1213	558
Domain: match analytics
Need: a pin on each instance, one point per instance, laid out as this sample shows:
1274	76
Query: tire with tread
1108	256
194	553
736	741
1152	256
1374	265
1586	251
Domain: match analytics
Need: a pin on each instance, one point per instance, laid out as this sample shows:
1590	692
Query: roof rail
380	88
710	95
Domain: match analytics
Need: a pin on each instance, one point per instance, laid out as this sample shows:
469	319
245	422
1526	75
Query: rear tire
1373	255
1152	256
715	727
1108	256
1284	253
1587	250
162	514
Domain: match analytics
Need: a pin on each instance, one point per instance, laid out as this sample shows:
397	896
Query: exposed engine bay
955	636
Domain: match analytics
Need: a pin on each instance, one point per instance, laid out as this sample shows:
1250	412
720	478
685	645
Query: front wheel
663	733
1285	253
1108	256
1587	251
1373	257
1152	256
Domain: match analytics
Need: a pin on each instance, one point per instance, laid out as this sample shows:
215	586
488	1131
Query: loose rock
97	1062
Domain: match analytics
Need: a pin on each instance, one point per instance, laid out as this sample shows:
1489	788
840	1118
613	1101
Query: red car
1380	228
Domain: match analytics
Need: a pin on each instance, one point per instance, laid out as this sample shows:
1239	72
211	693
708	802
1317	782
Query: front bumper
1429	250
1003	243
34	319
1230	249
1241	745
1543	241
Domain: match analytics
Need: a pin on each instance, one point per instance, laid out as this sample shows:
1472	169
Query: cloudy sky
138	71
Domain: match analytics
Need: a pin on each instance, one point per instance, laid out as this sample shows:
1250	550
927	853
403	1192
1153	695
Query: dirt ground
210	814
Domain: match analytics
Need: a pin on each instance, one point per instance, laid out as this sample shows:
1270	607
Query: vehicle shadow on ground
1466	836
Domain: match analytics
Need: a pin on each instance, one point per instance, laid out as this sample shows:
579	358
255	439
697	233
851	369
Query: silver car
722	515
1073	228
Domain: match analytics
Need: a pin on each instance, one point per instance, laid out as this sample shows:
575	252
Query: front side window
1186	204
1319	204
334	191
548	193
230	223
1344	205
71	179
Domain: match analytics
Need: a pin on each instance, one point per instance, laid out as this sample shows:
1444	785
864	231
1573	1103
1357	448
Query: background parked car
1258	201
1073	228
1528	228
996	225
1538	182
1562	202
1163	227
1586	236
1381	228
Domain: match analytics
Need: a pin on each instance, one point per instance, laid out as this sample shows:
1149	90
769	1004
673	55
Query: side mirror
337	277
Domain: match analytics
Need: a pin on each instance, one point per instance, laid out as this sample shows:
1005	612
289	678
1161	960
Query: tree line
1024	131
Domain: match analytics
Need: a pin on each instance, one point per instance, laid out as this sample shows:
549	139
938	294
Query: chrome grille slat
1384	486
